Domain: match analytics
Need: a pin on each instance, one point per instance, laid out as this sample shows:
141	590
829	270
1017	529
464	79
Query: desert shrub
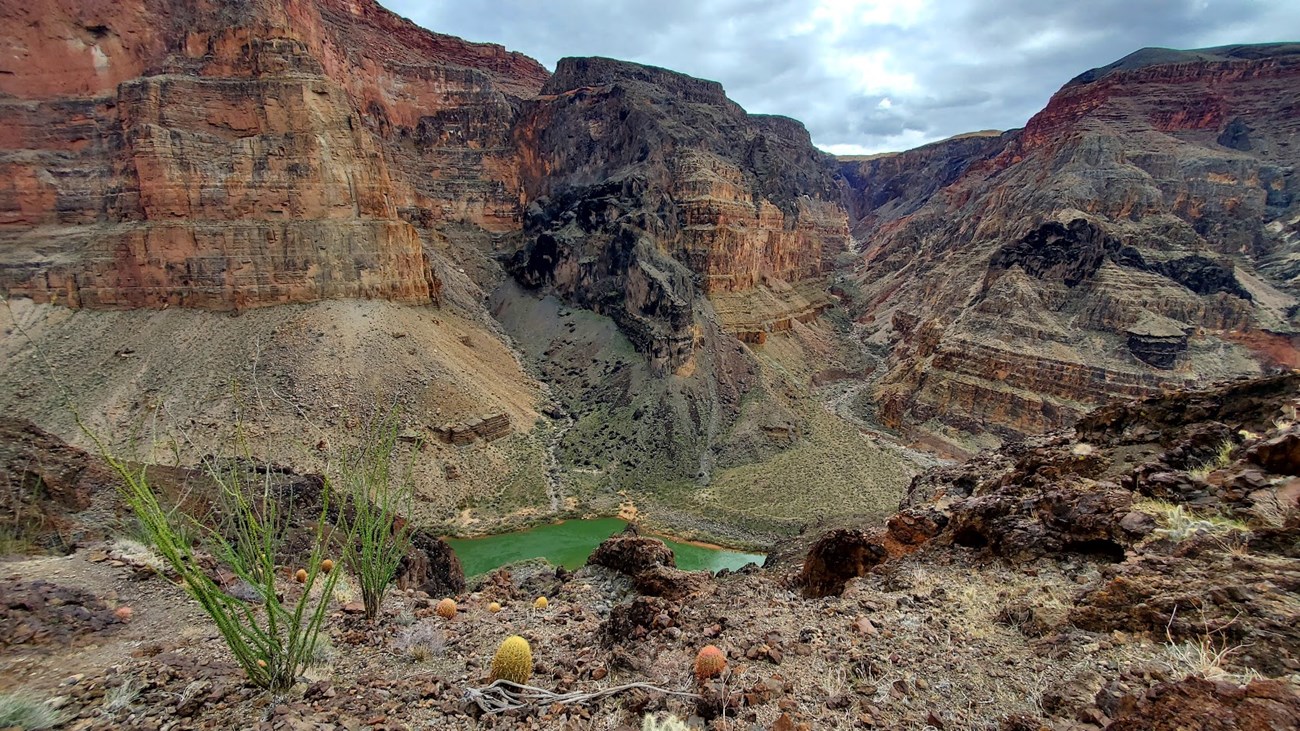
422	642
1221	457
120	697
272	638
1178	523
378	536
14	542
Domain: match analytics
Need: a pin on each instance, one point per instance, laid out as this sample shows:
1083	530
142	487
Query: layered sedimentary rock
224	155
649	188
1139	233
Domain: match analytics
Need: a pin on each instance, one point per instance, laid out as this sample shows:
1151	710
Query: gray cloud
865	75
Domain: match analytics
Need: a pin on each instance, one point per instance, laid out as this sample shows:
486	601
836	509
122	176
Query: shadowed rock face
1070	254
837	557
650	189
1137	234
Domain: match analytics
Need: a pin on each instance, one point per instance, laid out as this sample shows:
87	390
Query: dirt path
839	397
555	470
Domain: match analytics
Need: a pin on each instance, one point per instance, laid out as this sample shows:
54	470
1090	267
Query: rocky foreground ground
1137	572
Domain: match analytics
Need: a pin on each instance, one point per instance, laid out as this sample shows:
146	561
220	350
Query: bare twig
504	695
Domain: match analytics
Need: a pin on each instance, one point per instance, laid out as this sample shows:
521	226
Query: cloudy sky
866	75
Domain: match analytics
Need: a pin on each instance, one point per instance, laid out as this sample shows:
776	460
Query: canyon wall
649	189
166	155
229	155
656	201
1141	232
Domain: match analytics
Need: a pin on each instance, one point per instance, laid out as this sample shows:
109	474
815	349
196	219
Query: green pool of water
568	544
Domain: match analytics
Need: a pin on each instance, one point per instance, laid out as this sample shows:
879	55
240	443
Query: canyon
635	283
1014	416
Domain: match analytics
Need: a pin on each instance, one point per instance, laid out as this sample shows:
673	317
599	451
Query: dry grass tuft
1178	523
27	713
422	642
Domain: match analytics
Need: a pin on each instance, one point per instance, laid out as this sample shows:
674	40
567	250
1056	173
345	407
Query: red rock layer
160	153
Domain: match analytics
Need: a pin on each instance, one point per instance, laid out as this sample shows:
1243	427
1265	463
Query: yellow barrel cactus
513	661
446	608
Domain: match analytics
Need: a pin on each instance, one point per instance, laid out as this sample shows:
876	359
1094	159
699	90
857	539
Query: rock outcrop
1260	705
42	481
631	554
649	189
835	558
431	566
1138	234
229	156
1159	493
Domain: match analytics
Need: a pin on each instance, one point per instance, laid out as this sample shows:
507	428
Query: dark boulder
1280	455
671	583
431	566
837	557
631	554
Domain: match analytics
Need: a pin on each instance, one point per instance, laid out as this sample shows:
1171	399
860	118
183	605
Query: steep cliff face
648	188
1138	233
229	155
888	186
164	159
192	156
